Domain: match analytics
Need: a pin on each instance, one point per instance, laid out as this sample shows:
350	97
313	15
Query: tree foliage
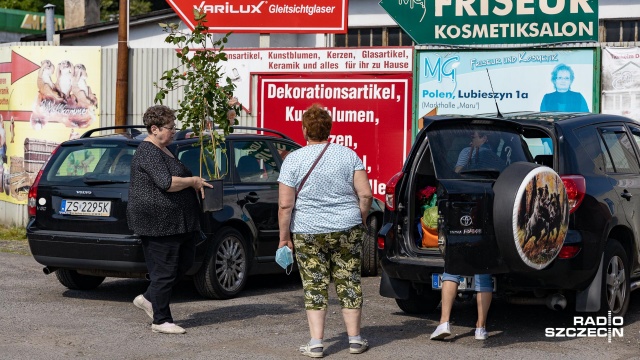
33	5
208	103
109	9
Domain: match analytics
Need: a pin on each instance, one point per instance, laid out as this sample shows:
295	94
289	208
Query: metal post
122	80
49	11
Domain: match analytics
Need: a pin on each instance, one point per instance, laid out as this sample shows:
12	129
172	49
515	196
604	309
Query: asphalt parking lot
39	318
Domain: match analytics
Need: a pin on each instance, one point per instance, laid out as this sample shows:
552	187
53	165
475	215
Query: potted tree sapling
208	107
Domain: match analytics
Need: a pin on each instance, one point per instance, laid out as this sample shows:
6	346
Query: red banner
262	16
371	115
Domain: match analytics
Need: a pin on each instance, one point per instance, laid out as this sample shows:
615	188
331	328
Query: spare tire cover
530	215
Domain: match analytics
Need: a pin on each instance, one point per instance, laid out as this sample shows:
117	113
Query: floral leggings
322	257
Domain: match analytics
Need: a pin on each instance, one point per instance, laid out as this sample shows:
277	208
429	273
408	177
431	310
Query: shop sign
621	81
262	16
474	22
481	82
371	115
242	64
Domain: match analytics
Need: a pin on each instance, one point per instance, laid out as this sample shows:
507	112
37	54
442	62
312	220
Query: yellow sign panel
47	95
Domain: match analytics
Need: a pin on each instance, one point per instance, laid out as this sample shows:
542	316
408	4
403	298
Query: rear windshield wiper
95	181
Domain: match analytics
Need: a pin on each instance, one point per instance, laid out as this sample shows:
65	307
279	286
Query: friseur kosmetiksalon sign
472	22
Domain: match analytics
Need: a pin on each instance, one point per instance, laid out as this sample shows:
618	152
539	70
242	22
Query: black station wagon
77	208
550	208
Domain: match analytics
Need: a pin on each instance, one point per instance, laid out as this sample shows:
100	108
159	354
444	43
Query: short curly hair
317	121
158	115
562	67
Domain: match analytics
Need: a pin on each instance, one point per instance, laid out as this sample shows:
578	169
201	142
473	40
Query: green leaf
205	90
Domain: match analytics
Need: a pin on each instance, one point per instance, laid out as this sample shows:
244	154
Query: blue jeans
483	282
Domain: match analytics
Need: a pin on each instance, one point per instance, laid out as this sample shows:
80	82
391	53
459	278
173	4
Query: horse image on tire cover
542	218
531	214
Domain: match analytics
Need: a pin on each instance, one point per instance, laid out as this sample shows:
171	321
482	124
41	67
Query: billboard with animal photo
47	95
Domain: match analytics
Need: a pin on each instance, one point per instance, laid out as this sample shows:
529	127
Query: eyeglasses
170	128
563	78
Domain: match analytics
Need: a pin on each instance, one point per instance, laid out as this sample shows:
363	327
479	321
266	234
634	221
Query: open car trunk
496	209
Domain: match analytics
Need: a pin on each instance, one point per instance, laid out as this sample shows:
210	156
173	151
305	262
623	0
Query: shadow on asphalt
507	324
237	312
124	290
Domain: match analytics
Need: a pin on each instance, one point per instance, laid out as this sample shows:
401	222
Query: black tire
225	268
74	281
530	214
369	248
424	303
616	286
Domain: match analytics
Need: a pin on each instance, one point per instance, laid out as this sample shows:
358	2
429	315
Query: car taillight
569	251
33	190
380	242
390	192
576	187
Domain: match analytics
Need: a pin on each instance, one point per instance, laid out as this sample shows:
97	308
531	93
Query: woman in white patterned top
326	219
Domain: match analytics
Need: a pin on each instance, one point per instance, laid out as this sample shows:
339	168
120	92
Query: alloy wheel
230	264
616	288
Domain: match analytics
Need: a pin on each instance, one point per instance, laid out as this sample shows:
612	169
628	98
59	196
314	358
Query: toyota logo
466	220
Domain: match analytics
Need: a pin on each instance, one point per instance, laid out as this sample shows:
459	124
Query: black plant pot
213	196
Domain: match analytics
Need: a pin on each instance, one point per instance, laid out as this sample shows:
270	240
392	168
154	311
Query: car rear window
103	162
452	146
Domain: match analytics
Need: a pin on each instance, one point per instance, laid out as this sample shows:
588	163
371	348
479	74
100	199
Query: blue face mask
284	258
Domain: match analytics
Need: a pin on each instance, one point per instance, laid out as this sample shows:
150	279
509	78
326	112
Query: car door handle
252	197
625	194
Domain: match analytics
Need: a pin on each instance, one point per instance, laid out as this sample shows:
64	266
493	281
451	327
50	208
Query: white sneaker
314	351
141	303
481	334
167	328
358	346
441	332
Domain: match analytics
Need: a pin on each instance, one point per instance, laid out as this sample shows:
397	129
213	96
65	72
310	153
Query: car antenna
494	99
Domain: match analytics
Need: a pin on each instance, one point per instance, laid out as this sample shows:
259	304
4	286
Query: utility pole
122	80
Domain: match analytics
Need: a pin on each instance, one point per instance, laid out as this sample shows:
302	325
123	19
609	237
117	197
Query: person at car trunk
478	155
484	293
163	211
326	217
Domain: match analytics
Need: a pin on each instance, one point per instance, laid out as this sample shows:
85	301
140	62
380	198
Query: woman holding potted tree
163	209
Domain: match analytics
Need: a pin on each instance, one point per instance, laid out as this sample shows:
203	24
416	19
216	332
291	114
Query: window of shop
380	36
621	30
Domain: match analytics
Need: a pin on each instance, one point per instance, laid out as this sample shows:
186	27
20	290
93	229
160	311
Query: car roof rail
133	130
182	134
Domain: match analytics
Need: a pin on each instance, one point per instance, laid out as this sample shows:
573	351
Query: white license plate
467	283
85	207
